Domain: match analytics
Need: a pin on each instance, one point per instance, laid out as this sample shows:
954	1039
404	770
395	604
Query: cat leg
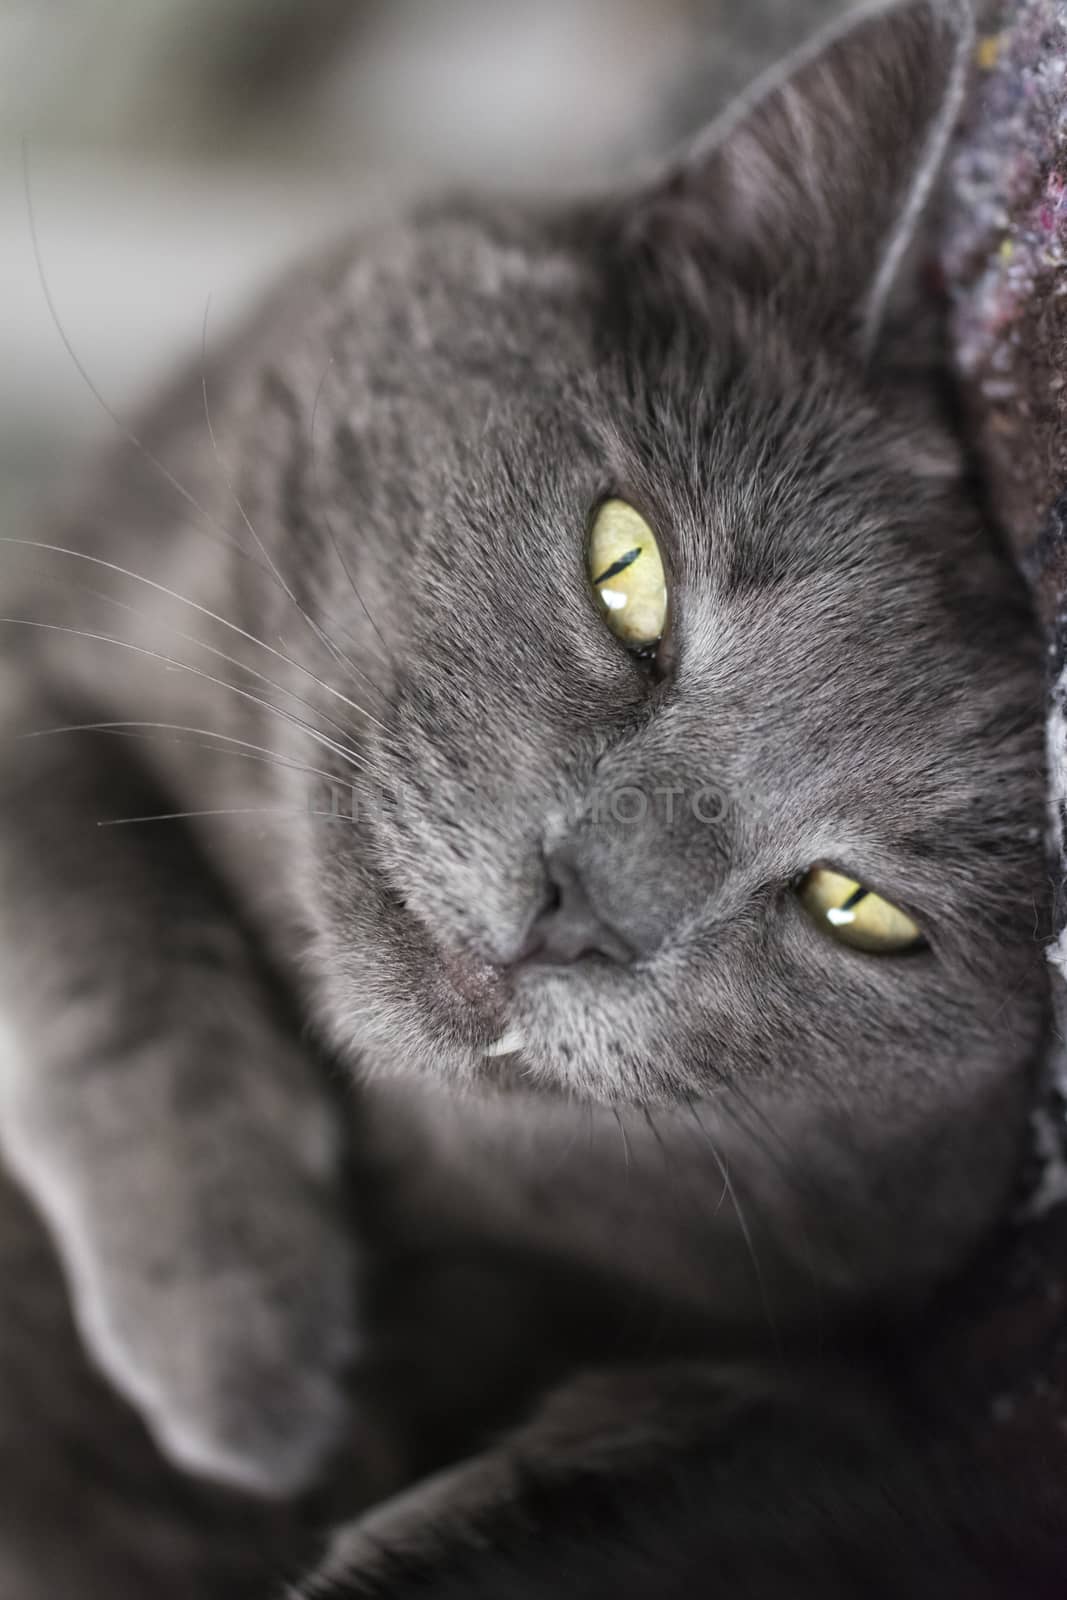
676	1482
160	1109
89	1510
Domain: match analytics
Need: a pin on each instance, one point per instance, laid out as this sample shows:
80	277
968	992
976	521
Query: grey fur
392	488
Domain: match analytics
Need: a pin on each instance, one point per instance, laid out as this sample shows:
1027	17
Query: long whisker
219	533
327	517
563	1155
251	752
646	1112
202	644
204	611
625	1140
772	1144
346	755
770	1141
680	1201
323	638
212	528
742	1220
223	811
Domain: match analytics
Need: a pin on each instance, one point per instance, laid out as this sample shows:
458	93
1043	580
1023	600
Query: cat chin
581	1031
569	1033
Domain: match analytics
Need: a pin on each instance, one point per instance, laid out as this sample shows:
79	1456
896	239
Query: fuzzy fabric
1004	257
1000	1365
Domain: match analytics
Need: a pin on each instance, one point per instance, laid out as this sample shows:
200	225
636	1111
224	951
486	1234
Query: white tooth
506	1045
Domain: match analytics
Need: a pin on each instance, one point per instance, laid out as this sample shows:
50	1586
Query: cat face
586	866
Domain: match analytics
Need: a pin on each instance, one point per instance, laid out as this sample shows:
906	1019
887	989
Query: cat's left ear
811	189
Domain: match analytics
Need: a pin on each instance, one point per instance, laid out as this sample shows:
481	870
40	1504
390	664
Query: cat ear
811	188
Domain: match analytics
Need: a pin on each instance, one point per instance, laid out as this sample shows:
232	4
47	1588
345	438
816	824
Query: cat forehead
447	260
496	379
534	311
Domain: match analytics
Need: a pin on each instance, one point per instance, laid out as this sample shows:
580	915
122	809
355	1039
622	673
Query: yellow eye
857	916
626	571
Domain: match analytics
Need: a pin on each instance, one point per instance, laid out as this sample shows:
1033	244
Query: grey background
179	151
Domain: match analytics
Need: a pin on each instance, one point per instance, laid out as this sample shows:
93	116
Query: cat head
643	860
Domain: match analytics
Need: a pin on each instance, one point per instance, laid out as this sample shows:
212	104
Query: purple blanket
999	1367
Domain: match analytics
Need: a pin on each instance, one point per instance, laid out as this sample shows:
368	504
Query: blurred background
172	152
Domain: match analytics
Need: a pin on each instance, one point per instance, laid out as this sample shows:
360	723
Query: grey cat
583	700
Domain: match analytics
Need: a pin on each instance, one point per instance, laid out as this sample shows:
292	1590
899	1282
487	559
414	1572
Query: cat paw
208	1258
252	1424
239	1372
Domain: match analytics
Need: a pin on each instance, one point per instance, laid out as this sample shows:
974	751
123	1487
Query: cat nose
569	926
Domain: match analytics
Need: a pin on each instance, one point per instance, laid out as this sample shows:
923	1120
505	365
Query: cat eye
855	915
626	572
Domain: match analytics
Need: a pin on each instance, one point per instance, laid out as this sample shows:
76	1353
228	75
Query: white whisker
338	654
327	518
222	811
742	1220
251	752
212	529
349	756
213	616
201	644
220	534
184	816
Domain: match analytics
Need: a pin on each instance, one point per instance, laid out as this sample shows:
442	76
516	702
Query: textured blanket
1004	257
1005	260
